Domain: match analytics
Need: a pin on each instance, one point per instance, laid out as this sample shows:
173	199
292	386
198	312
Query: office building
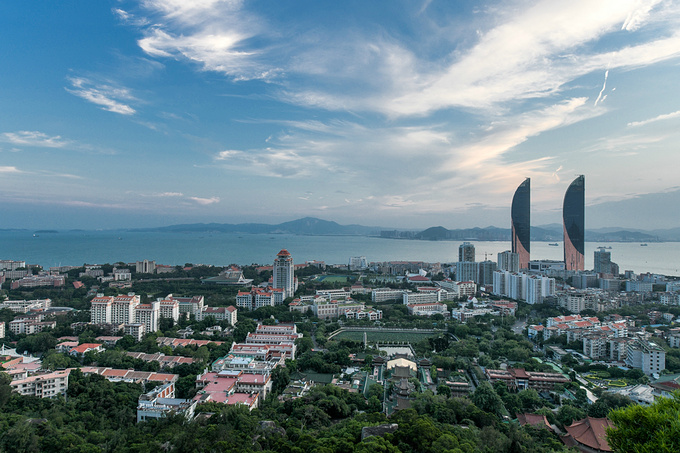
646	356
284	277
573	217
521	223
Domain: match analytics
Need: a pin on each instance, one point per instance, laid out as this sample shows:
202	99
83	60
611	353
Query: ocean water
79	247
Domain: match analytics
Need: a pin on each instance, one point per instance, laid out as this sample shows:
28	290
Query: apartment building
646	356
43	386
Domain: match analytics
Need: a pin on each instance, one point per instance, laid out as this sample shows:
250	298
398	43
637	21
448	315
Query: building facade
521	223
573	217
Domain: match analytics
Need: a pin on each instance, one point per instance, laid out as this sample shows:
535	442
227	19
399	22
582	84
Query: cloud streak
109	97
34	138
665	116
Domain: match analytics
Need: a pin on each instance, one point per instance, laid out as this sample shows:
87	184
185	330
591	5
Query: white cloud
205	201
6	169
111	98
666	116
170	194
34	138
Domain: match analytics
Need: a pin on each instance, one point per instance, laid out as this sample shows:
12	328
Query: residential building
358	263
161	402
149	315
2	330
43	386
646	356
429	297
283	273
508	261
467	271
11	265
486	270
169	308
145	267
229	314
135	329
466	252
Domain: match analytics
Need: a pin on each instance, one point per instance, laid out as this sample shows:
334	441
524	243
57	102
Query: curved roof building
521	223
573	217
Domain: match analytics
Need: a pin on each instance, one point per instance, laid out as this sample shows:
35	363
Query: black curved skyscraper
574	216
521	223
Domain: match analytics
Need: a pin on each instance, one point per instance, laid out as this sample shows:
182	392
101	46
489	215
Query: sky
402	114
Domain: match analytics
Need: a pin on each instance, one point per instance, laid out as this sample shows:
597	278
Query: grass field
334	278
373	337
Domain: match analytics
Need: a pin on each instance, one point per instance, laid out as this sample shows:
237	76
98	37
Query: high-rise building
284	277
573	216
486	270
508	261
602	261
521	223
467	271
466	252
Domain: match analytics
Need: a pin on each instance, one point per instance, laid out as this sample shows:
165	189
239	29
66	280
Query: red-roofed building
588	435
533	420
80	350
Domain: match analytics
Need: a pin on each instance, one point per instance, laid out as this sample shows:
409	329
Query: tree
607	402
643	429
486	398
567	414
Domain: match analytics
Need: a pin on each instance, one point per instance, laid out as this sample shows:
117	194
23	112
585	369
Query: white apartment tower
284	276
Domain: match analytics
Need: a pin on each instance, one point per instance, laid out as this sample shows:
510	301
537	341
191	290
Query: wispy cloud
530	53
665	116
110	97
205	201
34	138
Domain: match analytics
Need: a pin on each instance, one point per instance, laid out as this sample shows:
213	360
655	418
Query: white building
646	356
429	297
357	263
145	267
149	315
43	386
2	330
283	273
385	294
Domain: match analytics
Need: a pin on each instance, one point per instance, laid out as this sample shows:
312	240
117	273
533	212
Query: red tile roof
591	432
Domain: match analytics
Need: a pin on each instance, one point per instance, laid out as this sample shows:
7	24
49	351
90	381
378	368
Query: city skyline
140	114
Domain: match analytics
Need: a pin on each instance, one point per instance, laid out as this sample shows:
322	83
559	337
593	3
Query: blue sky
400	114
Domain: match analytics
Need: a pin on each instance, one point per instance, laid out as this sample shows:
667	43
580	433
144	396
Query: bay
78	247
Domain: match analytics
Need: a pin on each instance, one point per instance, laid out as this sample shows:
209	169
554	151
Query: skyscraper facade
521	223
602	262
574	216
283	273
466	252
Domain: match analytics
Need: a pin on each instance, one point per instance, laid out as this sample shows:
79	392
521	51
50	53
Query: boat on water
643	245
554	244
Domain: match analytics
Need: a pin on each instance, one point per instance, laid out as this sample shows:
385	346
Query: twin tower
573	220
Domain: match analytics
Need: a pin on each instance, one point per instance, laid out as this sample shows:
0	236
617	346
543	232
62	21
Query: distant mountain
306	226
317	227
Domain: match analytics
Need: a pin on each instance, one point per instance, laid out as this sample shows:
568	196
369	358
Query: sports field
380	337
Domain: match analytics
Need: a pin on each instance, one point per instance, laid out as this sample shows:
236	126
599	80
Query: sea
75	248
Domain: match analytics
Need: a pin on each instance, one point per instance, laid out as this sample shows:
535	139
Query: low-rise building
43	386
520	379
161	402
